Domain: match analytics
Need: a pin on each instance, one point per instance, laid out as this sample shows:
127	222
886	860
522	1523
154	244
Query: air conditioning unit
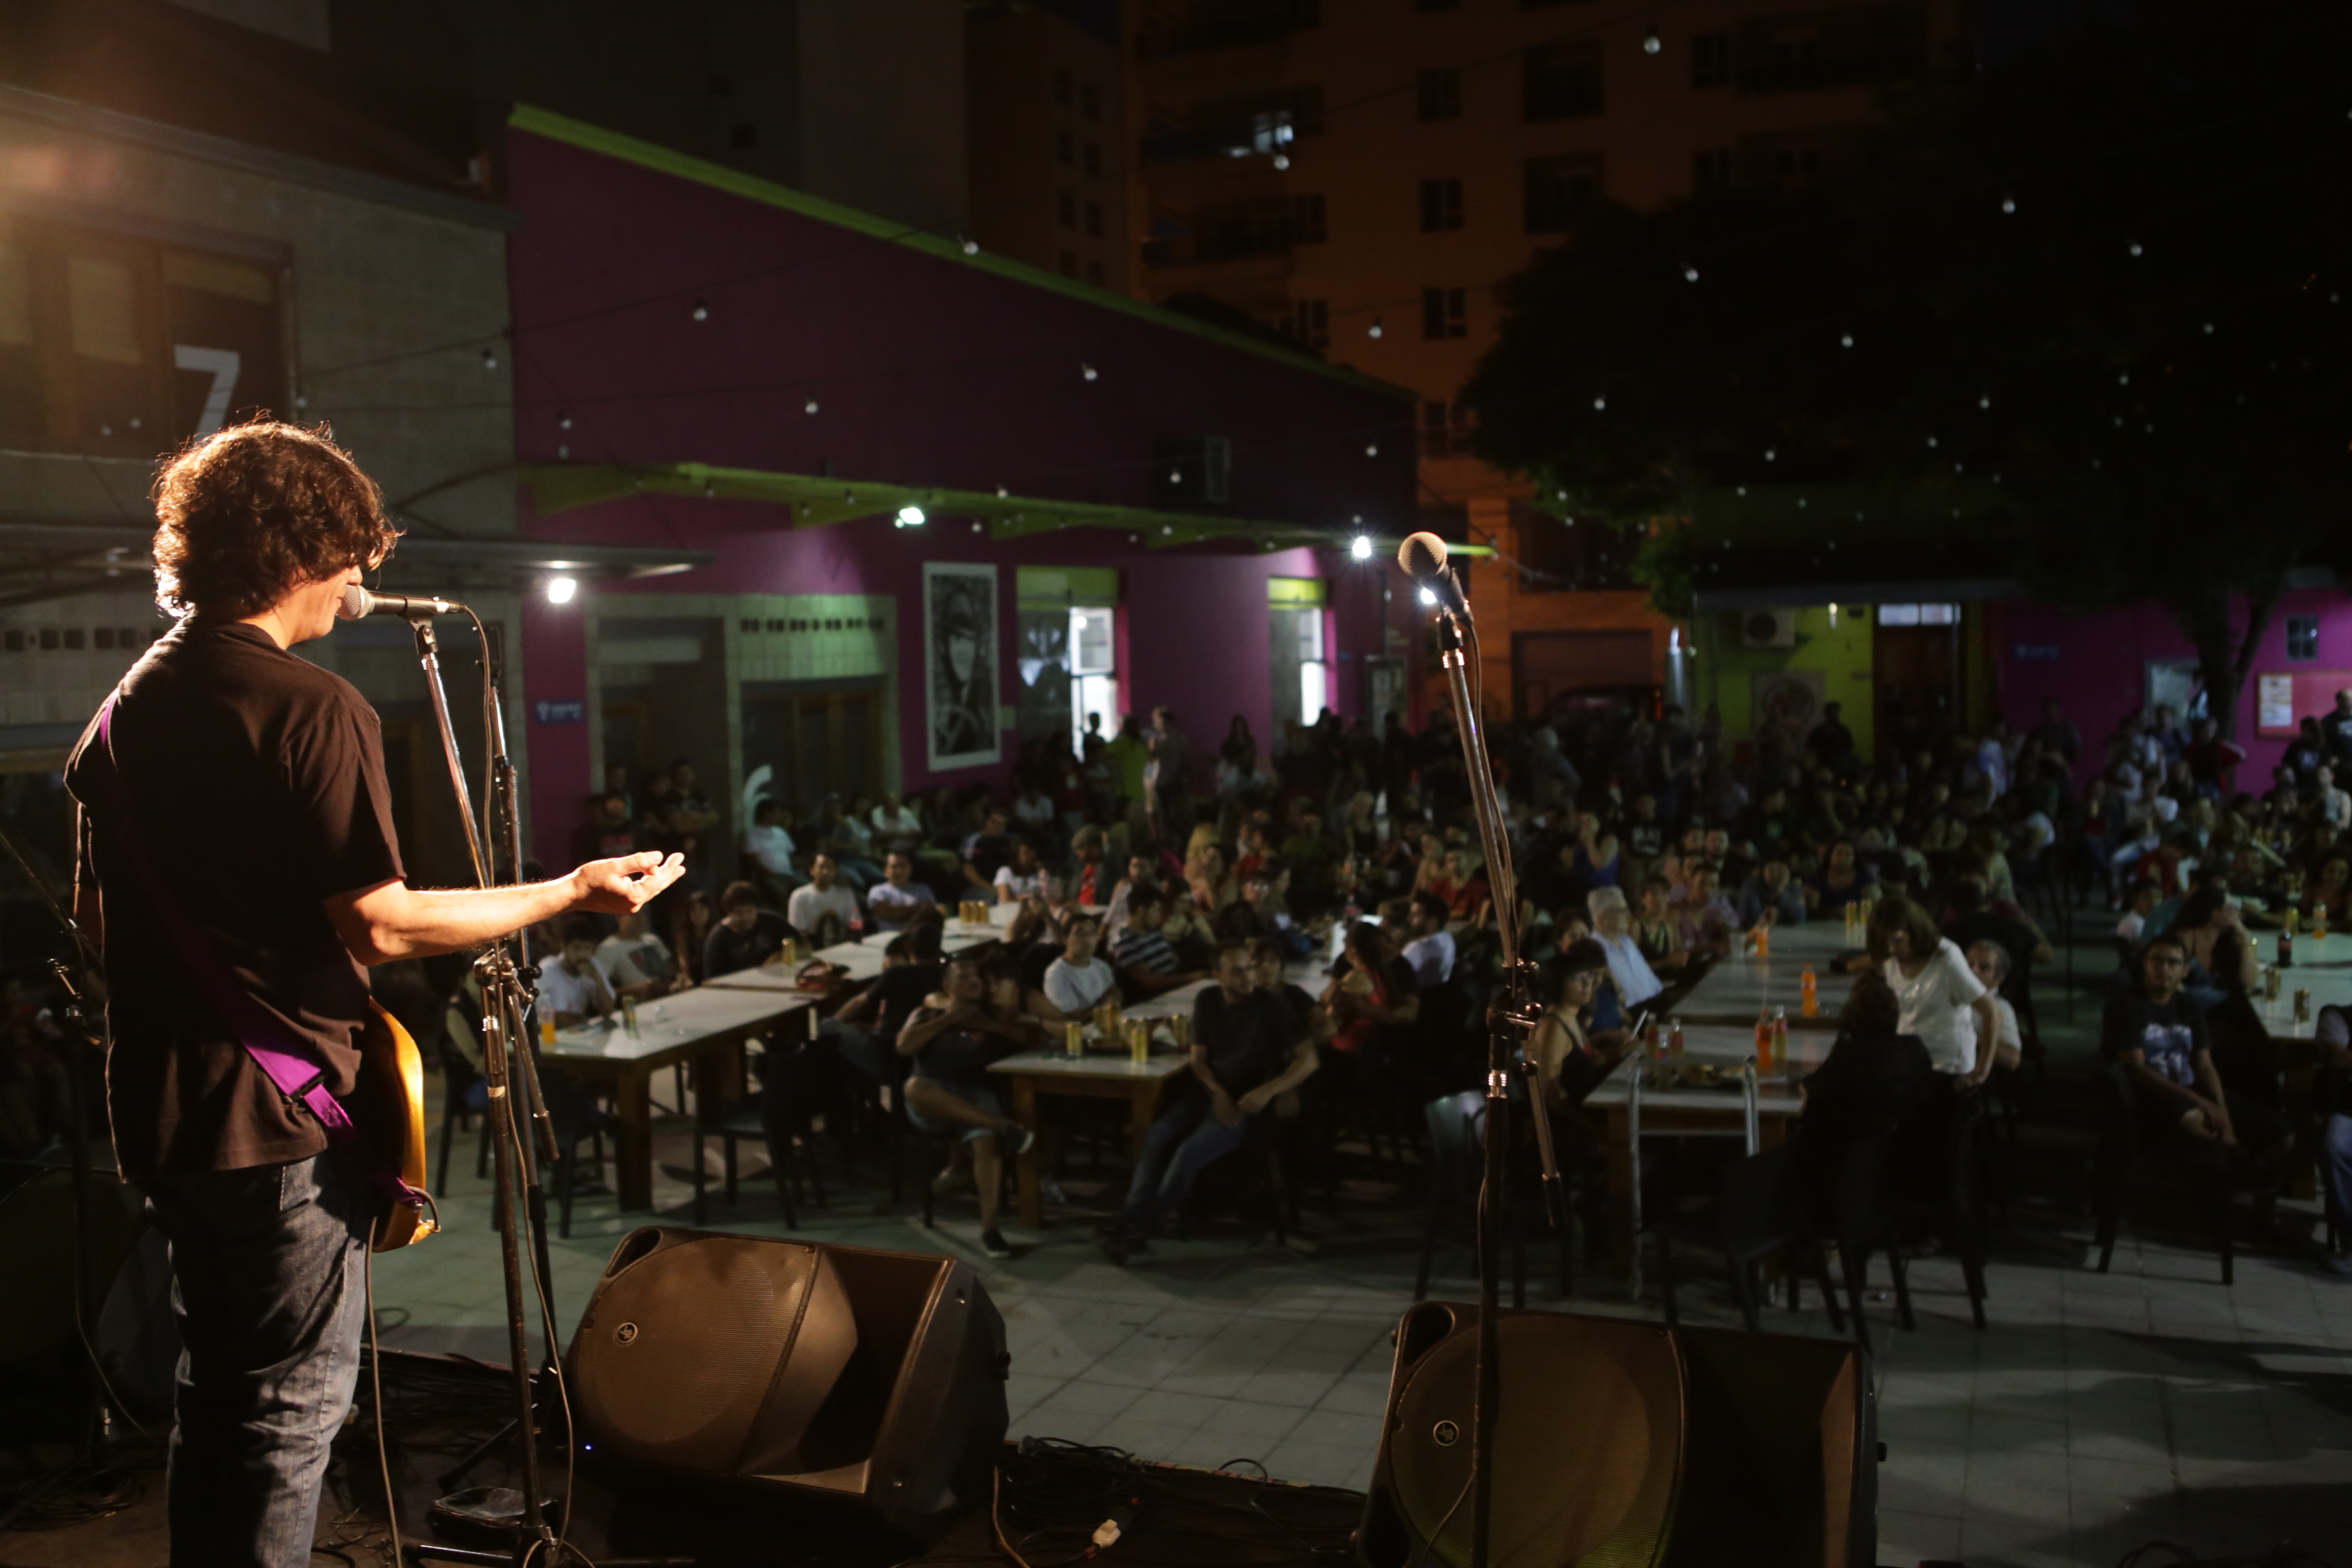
1768	628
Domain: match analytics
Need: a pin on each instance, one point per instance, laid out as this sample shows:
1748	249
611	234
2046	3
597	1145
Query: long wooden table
1732	991
1710	1110
705	1028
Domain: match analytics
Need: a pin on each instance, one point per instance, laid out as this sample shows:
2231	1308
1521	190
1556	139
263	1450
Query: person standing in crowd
1942	1002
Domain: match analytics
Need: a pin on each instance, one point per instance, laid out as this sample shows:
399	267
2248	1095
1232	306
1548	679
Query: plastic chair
457	1080
1953	1204
1457	1126
749	1119
2122	1169
1758	1211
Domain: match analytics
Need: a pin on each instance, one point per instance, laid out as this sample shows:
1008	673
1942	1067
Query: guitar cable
375	1377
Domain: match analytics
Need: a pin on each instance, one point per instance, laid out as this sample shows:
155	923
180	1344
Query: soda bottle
1812	1005
1763	1038
1780	1037
1675	1039
2319	923
1764	942
857	920
2286	943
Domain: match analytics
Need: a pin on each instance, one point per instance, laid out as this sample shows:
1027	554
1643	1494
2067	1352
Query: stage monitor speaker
864	1381
1626	1444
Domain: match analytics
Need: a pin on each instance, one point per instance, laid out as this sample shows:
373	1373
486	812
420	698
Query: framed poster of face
959	651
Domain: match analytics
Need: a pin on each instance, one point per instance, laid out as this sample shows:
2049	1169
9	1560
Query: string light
701	311
1769	455
1651	43
971	247
912	517
1087	369
1846	340
564	423
810	406
2135	248
1984	403
1281	161
1599	404
2009	203
563	451
1371	448
1690	273
1374	330
1361	549
490	360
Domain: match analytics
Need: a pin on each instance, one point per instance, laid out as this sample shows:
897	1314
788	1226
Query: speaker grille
1588	1449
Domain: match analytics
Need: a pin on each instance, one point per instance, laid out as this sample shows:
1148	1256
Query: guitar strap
287	1061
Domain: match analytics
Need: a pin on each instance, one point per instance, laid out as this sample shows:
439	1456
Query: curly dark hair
246	513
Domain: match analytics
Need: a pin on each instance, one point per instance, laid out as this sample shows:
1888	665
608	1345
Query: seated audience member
572	989
896	825
1654	931
1973	922
1770	895
1941	1001
1635	981
696	918
861	1033
1142	951
2133	927
1372	998
2332	1035
1248	1048
1465	892
985	853
1876	1076
1255	914
898	898
1430	953
1266	960
772	845
2223	959
1021	876
1843	881
635	960
1091	880
2158	1033
1142	876
976	1022
1706	923
1076	981
1988	961
824	906
1570	1056
746	936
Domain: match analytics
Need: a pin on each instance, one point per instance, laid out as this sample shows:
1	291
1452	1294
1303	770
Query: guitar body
391	1118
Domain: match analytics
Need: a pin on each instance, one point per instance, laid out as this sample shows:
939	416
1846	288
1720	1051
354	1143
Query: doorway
1916	694
817	738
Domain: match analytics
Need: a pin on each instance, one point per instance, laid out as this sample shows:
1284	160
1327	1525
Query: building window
1561	191
1094	220
1307	226
122	348
1919	615
1560	81
1094	273
1310	323
1065	148
1441	93
1444	313
1061	87
1711	59
1065	208
1069	263
1090	101
1444	429
1711	169
2302	636
1441	205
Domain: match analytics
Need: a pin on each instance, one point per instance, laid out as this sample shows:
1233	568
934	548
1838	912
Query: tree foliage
2085	311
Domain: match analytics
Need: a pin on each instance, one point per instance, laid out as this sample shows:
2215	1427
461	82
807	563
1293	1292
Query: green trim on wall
820	502
751	187
1043	586
1297	592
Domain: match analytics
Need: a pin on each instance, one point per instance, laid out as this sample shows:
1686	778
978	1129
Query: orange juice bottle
1763	1039
1780	1038
1764	942
1812	1006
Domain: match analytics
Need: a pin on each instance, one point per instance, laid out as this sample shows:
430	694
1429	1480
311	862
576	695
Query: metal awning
51	559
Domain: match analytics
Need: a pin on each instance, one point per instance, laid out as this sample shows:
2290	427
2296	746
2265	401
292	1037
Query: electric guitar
390	1115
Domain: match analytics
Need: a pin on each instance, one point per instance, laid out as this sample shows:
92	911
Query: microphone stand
520	1198
1508	1024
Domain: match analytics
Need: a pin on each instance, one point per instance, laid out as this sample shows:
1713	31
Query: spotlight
561	589
911	517
1361	549
1427	597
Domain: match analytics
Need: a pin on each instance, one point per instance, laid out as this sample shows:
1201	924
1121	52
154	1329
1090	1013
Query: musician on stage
234	817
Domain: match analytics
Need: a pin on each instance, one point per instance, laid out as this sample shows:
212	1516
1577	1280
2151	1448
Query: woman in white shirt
1943	1004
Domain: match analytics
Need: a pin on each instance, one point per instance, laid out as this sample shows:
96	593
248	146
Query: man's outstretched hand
625	884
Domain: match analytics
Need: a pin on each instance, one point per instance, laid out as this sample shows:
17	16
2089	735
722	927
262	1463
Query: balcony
1262	124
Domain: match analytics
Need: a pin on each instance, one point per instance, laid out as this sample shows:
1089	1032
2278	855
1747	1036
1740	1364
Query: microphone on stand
1423	556
358	602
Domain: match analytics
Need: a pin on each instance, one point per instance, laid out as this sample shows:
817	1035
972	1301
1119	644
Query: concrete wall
1723	672
928	371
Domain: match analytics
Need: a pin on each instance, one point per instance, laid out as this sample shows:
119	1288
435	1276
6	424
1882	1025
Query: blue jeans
1184	1141
267	1282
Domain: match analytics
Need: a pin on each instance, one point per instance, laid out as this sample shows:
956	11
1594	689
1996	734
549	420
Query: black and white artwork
959	664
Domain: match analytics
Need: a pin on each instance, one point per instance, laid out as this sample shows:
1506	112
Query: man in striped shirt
1142	953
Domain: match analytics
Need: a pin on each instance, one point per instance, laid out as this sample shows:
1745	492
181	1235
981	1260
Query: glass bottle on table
1810	987
1780	1040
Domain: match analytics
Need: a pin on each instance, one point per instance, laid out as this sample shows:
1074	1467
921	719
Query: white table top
954	938
671	1021
1729	1044
1160	1065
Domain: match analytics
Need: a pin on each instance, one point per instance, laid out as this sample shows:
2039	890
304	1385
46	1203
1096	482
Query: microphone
358	602
1423	556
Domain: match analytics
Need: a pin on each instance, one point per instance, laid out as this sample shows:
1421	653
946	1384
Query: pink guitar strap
288	1062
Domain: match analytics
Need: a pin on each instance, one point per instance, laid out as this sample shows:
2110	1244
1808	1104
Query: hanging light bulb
2009	203
912	517
1690	273
971	247
701	311
1371	448
1087	369
1846	340
1282	161
810	406
490	360
1599	404
1374	330
1770	455
564	423
1984	402
2136	249
1651	43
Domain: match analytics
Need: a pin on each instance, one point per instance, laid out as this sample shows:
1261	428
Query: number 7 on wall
222	366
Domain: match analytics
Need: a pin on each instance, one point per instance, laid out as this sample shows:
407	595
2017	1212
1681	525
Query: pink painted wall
926	372
2099	672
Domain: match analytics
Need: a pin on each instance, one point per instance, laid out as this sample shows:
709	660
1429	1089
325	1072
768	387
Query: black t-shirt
1248	1041
2168	1035
256	781
901	991
959	1055
726	951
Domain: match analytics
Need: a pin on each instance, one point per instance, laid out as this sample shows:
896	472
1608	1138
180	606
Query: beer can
1074	1037
2302	1005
